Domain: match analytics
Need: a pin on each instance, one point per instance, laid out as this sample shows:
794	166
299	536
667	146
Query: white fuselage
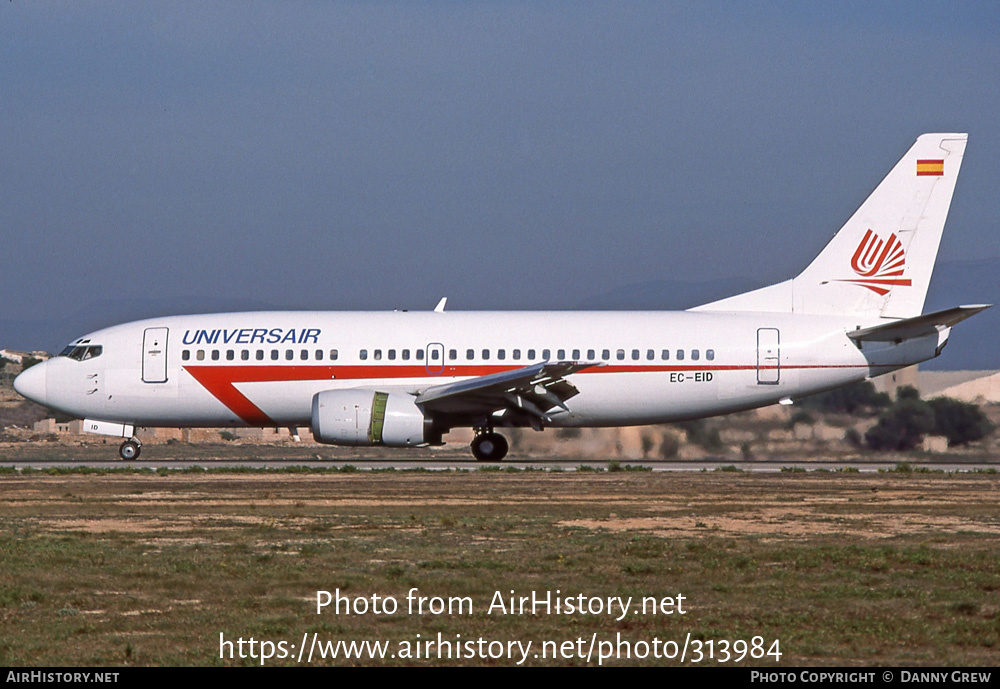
263	368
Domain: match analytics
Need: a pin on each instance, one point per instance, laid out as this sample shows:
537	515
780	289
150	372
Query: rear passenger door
768	356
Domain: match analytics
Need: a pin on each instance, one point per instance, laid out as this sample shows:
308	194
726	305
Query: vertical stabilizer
880	262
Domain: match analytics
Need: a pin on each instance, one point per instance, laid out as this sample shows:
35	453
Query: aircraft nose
31	383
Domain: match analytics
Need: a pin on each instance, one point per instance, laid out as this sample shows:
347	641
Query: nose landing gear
489	446
130	449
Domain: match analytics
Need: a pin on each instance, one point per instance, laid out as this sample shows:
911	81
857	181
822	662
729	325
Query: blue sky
507	155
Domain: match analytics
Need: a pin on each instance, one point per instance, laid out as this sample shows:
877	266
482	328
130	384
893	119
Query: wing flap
534	390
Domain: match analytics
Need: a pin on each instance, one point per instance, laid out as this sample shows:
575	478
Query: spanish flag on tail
930	168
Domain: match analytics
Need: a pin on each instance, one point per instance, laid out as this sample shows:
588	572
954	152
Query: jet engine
367	417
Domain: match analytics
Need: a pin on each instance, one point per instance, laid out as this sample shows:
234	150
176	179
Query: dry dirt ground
678	505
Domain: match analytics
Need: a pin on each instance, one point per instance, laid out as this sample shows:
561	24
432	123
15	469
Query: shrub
801	416
669	447
856	399
902	426
960	422
700	434
853	437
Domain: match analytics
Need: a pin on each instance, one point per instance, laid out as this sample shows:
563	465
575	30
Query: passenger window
185	355
620	354
230	355
605	354
665	354
470	354
635	355
378	355
710	354
304	355
420	355
289	355
245	355
333	354
215	355
680	355
486	354
695	355
406	355
319	355
363	354
517	354
561	354
452	354
531	354
392	355
260	355
546	354
501	354
200	356
576	353
591	354
650	355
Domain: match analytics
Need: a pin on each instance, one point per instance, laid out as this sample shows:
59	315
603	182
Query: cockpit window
82	352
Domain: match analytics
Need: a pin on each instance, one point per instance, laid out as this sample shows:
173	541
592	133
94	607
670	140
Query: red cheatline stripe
221	381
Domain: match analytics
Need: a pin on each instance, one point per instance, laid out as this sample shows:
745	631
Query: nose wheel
130	449
489	447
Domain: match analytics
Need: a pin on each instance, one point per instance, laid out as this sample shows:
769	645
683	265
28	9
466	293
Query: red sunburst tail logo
879	263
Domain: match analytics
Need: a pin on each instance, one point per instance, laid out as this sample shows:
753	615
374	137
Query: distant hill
974	344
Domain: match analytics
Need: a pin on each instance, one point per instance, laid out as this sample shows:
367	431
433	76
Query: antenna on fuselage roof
440	307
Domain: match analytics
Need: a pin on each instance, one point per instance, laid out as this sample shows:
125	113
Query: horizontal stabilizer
918	326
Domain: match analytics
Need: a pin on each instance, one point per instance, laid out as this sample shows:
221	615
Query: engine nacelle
367	417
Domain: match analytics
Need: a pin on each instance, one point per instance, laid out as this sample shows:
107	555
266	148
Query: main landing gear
130	449
488	446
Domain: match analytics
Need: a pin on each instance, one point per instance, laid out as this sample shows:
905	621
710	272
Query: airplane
404	379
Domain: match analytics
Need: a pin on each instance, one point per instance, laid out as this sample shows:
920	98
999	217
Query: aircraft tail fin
880	262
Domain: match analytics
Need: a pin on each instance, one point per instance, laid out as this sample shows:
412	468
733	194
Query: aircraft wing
532	391
918	326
